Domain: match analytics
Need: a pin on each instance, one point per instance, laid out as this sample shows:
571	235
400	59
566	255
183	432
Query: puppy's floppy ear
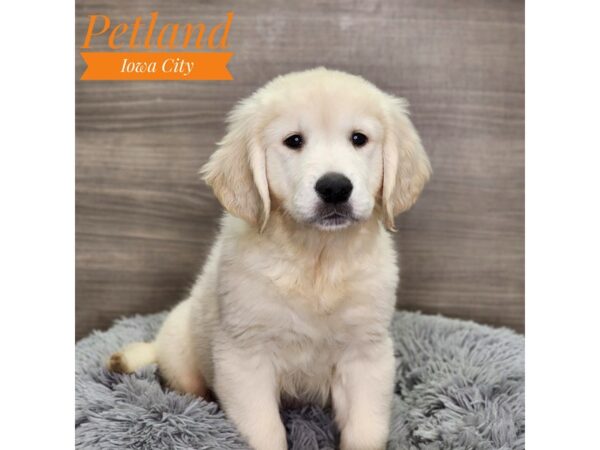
406	167
237	170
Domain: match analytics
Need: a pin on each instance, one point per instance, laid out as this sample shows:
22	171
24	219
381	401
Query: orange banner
156	66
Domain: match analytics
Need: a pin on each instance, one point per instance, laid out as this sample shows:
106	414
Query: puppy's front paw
267	435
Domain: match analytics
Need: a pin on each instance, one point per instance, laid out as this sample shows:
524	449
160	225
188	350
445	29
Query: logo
143	50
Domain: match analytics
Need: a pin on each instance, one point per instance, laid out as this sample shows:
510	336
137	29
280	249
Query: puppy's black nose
334	188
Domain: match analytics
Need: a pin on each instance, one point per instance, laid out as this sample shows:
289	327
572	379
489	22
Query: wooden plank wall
145	222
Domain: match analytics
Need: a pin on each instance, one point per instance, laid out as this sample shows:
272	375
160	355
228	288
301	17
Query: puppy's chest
318	288
302	345
305	358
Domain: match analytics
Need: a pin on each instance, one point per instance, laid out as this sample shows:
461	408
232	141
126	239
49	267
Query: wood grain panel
145	222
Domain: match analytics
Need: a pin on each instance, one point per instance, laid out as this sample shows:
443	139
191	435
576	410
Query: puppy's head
327	148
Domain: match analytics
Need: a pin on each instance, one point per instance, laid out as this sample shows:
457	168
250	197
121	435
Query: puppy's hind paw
117	363
131	358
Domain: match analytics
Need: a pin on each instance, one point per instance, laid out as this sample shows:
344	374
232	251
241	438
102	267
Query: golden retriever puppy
296	297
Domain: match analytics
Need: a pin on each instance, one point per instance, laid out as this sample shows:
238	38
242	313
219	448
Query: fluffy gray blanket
459	385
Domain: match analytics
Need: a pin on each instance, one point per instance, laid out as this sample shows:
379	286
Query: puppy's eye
359	139
295	142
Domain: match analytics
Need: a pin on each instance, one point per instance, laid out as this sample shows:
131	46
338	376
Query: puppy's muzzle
334	188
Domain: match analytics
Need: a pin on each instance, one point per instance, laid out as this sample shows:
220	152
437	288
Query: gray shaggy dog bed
459	385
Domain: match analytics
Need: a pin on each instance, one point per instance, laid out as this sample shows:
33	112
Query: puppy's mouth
332	218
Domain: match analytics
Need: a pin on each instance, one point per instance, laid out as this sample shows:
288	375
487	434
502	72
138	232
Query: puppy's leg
172	350
247	389
176	354
362	396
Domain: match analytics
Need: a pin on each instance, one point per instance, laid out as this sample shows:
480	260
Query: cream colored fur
287	307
